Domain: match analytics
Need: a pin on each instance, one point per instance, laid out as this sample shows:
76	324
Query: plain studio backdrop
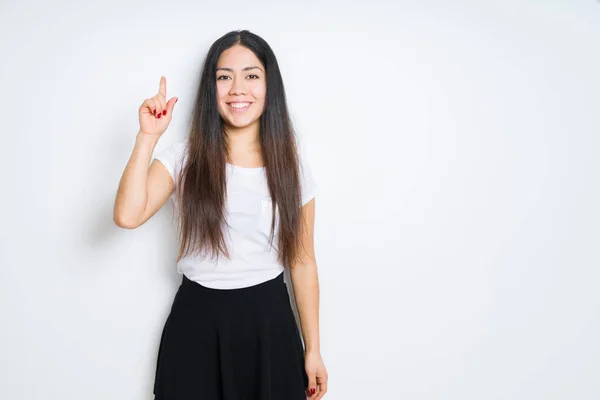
455	145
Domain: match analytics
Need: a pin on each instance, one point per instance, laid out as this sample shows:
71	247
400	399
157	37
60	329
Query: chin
240	124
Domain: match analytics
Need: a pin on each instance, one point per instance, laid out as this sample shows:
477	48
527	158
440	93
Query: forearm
132	193
305	281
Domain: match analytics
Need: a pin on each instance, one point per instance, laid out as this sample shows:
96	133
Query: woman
244	198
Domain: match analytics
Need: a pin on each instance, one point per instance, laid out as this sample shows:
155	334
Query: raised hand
155	113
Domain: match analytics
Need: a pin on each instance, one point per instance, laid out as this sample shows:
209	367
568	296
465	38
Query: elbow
123	222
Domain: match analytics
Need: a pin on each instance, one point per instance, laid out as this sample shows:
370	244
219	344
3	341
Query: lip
239	110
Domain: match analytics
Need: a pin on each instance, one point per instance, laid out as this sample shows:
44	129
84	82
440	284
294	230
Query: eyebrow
231	70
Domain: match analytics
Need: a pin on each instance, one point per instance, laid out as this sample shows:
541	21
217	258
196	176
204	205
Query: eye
255	76
222	76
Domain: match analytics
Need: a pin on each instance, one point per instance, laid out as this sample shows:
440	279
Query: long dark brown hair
202	182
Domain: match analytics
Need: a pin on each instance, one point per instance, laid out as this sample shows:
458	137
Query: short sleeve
308	183
173	157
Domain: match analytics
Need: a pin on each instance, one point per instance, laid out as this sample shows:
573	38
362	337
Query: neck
243	140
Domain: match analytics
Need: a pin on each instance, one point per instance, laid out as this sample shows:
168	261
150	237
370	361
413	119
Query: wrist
144	140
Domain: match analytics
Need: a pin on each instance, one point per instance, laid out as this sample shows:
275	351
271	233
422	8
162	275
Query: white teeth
239	105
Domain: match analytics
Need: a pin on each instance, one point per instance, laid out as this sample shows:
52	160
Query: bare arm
305	281
142	190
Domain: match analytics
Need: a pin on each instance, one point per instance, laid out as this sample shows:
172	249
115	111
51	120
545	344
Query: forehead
238	57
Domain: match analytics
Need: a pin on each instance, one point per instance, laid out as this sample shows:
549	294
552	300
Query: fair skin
144	190
241	82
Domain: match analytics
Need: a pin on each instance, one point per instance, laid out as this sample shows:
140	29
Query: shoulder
172	152
303	159
307	180
172	156
178	147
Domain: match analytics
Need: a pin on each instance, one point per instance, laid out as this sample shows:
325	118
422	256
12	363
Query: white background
455	144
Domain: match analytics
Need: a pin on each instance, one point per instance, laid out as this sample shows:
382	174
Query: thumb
171	105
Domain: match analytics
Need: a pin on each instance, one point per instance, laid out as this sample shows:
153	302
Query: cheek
221	93
259	93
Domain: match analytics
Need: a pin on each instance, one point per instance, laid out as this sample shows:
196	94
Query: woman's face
241	87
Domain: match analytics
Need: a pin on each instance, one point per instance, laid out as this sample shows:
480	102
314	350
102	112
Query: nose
238	87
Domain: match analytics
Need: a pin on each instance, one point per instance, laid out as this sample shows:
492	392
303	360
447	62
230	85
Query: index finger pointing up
163	86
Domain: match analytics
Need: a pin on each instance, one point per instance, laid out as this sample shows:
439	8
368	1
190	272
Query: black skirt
231	344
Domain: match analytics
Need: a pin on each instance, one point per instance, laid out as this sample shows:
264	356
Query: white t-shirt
248	213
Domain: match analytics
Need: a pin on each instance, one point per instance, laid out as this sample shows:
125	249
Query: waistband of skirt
271	284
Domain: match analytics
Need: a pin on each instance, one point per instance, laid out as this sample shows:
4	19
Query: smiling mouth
239	107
